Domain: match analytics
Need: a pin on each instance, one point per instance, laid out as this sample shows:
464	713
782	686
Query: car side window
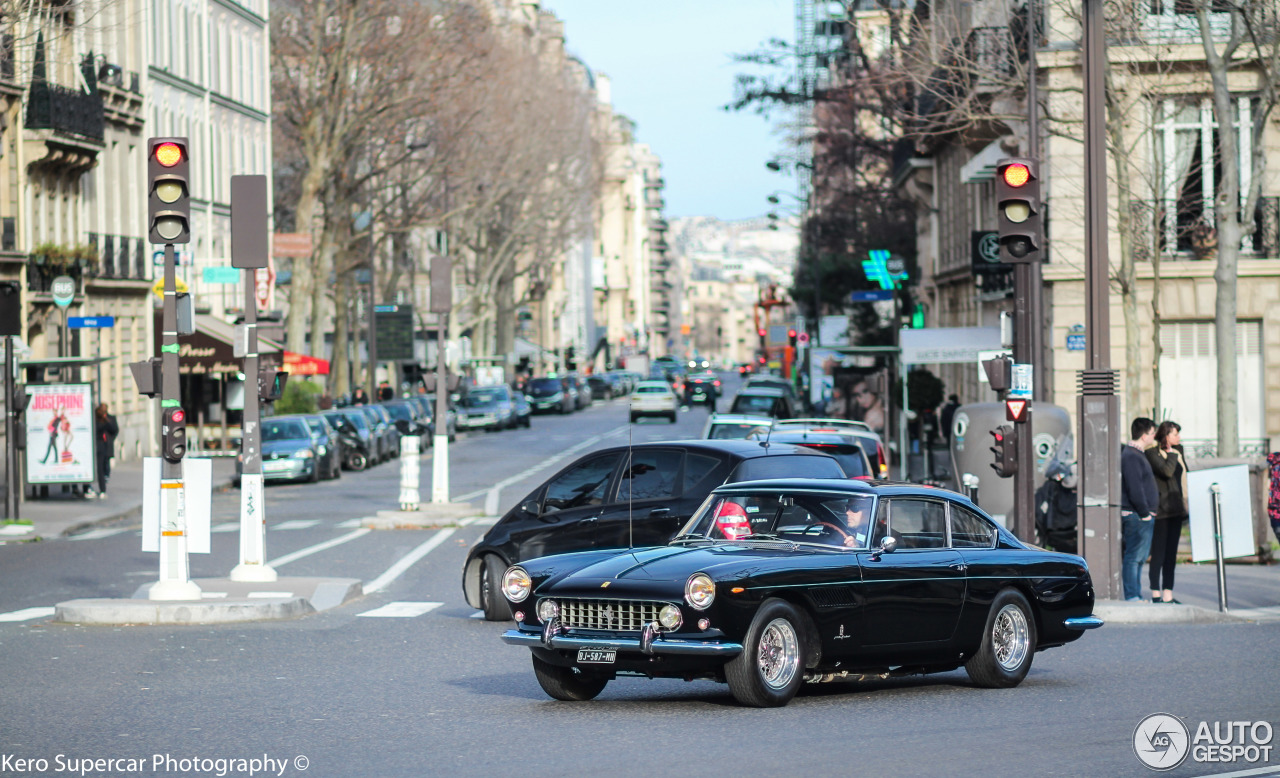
969	530
919	523
582	484
651	475
696	468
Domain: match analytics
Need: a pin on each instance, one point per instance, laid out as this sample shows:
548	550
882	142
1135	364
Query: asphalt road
434	692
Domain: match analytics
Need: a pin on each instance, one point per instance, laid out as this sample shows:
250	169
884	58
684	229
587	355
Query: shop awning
211	351
302	364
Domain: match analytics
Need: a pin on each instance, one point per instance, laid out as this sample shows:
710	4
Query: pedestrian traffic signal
173	434
146	375
10	308
1019	212
271	384
1006	438
1016	410
168	191
791	338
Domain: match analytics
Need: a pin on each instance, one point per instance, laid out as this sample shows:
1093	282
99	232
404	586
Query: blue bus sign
90	322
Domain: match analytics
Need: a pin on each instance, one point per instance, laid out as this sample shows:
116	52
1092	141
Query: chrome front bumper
655	645
1083	622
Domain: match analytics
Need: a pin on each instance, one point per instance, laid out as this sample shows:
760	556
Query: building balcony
65	111
1186	232
121	256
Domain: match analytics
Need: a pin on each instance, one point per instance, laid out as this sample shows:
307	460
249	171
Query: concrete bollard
409	498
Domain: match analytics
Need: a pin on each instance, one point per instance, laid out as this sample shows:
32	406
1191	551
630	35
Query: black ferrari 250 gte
774	583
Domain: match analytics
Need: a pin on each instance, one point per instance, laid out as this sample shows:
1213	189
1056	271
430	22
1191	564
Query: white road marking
26	614
350	523
230	526
401	610
407	561
105	532
477	615
296	524
268	595
213	595
16	529
309	550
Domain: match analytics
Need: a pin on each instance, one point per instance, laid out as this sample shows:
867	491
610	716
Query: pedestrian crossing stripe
230	526
27	614
296	524
350	524
16	529
401	610
100	533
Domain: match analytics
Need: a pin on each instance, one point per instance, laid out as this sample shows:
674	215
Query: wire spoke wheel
1010	637
778	653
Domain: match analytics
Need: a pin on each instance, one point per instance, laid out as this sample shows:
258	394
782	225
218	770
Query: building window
1190	167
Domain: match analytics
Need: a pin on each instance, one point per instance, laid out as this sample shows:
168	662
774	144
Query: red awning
301	364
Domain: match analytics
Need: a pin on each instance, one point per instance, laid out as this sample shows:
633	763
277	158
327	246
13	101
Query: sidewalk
65	514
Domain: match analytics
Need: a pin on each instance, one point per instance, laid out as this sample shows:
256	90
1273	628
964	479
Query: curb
1119	612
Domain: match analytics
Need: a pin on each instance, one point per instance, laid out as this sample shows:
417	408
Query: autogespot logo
1161	741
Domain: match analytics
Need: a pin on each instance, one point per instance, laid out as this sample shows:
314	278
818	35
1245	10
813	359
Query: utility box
971	443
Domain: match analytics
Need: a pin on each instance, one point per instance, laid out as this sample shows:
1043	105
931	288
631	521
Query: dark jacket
1170	470
1137	483
105	436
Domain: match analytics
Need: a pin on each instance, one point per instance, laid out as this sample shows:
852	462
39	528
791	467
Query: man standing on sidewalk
1138	502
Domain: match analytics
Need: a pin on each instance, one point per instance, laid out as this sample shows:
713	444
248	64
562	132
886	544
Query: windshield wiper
682	538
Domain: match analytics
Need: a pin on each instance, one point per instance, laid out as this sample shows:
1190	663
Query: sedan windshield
284	429
399	412
545	387
842	521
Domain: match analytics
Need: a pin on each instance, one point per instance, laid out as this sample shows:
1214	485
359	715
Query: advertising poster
60	434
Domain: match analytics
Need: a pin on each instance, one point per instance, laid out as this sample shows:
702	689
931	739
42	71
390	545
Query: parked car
775	382
733	426
768	587
846	449
871	441
622	495
600	387
380	428
450	415
487	408
702	389
289	451
549	395
654	398
763	401
580	391
329	447
357	436
522	408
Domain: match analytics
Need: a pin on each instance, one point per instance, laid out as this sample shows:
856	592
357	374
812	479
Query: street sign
1022	382
291	244
1075	342
64	291
870	295
220	275
179	286
90	322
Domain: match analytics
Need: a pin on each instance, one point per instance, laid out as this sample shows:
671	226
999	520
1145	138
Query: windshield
850	457
653	389
358	420
735	430
762	405
399	412
543	387
284	429
840	521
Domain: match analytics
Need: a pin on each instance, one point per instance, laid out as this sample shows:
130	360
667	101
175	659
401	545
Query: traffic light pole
253	527
175	582
1024	487
12	472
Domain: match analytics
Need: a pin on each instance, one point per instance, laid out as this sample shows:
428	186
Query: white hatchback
654	398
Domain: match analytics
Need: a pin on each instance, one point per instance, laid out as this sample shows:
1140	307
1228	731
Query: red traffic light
791	333
761	332
1016	410
178	416
168	154
1017	175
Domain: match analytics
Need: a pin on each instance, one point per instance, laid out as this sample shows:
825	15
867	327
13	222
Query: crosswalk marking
16	529
268	595
105	532
477	615
230	526
296	524
26	614
349	523
401	610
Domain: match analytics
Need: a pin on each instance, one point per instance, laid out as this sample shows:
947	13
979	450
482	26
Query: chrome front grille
614	615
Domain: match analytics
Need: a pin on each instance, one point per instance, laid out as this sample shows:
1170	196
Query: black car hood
663	563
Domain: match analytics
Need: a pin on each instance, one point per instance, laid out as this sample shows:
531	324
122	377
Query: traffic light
1019	213
1016	410
173	434
1006	439
792	335
146	375
168	191
271	383
10	308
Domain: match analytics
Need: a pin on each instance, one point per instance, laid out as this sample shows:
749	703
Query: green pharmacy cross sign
877	270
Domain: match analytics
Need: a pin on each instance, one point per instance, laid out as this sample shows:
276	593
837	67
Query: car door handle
659	511
590	519
959	567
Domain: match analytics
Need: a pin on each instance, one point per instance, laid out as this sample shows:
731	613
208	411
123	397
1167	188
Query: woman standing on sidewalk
104	433
1169	466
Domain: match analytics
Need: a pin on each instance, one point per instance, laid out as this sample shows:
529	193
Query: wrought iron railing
1188	233
53	107
120	256
7	70
1207	448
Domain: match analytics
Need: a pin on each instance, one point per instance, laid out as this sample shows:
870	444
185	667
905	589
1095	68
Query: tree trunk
301	280
1126	273
505	318
340	364
320	296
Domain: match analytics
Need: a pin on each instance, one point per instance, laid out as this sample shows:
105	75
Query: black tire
633	418
494	605
528	421
567	683
1008	643
357	461
672	417
770	669
337	470
315	471
453	437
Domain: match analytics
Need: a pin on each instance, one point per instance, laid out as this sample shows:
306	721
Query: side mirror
530	507
887	546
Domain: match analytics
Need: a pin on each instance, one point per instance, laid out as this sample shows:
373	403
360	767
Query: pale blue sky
670	65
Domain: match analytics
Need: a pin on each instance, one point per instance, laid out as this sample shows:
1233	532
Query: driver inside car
857	519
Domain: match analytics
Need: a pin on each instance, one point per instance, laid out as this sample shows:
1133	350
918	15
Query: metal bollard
409	498
970	483
1217	543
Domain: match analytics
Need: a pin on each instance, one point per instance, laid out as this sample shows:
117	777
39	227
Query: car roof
762	391
848	486
800	423
654	382
742	449
740	418
805	436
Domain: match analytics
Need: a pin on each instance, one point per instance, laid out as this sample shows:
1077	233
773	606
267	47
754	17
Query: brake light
716	382
884	461
731	518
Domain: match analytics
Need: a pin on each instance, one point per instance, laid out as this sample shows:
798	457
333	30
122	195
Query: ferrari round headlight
516	584
699	591
669	617
548	610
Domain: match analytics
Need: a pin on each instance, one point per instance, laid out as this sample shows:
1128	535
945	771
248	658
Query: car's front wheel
1008	643
770	669
567	683
494	605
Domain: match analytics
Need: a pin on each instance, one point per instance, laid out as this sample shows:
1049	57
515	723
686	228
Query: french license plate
276	466
594	656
